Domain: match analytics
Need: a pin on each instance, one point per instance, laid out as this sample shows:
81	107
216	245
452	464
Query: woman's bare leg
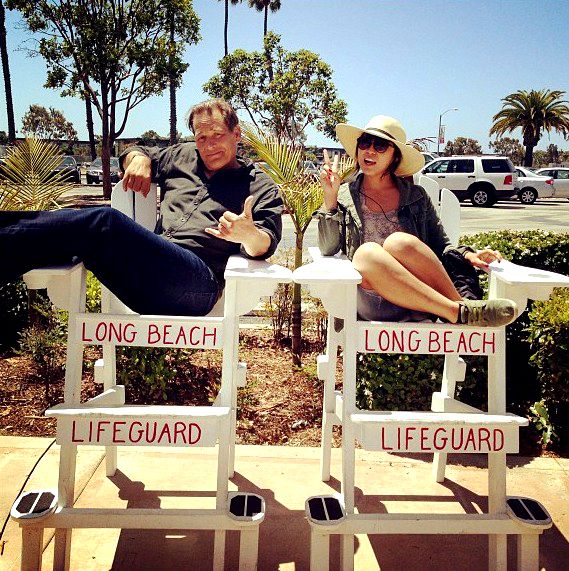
422	262
386	275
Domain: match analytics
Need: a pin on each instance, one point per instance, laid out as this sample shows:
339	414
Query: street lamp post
440	122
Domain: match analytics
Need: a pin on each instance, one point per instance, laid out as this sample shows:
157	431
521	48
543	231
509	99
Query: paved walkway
285	477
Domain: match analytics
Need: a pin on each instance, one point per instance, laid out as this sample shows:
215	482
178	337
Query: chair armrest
520	283
337	269
247	281
242	268
333	279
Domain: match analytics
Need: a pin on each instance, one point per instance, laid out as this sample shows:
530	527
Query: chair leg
62	549
319	551
528	552
328	362
347	552
219	549
248	549
32	547
326	446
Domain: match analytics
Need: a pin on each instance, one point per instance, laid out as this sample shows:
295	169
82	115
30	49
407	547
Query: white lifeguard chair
107	420
495	433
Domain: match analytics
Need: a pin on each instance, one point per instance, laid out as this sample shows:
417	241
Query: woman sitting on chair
390	230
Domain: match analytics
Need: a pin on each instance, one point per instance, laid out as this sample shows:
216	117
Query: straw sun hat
386	128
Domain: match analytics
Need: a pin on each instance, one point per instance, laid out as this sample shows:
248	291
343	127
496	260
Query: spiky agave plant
302	196
28	180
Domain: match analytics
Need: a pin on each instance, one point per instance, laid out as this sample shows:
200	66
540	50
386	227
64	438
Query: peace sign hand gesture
330	180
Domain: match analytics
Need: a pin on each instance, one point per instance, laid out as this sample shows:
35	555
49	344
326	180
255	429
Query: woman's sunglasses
366	141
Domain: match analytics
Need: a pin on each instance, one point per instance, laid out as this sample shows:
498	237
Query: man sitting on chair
214	204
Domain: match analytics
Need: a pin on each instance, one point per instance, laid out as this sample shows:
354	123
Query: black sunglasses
365	141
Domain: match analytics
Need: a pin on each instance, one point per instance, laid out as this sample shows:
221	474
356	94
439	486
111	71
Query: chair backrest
143	210
448	207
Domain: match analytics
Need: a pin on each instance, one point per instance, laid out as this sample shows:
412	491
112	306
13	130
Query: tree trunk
266	20
296	307
90	130
226	26
7	79
106	150
528	158
172	86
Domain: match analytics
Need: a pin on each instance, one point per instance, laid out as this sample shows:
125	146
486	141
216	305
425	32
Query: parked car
69	169
560	177
95	171
484	179
532	186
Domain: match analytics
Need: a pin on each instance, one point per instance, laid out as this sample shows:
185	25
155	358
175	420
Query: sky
411	59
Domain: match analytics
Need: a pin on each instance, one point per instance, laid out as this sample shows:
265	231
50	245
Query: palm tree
226	23
301	194
533	112
265	6
6	71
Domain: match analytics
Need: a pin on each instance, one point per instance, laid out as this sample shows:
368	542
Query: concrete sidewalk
285	477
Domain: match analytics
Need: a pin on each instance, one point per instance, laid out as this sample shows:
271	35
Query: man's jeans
145	271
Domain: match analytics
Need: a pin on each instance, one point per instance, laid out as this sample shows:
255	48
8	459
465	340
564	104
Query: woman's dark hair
208	107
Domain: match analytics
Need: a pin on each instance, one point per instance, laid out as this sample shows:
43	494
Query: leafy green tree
462	146
116	52
300	94
552	154
533	112
149	137
540	158
6	72
510	148
43	123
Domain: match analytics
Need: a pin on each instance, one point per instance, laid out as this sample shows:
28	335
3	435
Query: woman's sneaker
487	312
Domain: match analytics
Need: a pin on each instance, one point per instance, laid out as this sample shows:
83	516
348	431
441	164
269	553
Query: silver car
532	186
560	177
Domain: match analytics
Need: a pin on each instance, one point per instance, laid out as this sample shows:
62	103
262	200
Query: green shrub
45	341
93	301
149	370
549	338
407	382
13	311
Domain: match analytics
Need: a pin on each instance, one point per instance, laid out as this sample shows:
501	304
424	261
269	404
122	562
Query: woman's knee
402	244
368	256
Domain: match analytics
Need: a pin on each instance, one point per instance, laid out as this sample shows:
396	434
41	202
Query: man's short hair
211	105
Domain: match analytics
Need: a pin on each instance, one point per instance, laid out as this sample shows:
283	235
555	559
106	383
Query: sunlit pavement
285	476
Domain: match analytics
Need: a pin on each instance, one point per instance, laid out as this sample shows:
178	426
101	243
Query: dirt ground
279	405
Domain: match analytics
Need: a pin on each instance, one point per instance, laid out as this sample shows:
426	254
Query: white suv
484	179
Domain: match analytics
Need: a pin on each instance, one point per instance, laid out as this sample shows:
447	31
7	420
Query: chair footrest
402	431
325	510
34	504
528	511
246	507
139	425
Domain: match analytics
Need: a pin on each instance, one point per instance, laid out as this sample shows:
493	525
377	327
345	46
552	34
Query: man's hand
138	173
240	228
